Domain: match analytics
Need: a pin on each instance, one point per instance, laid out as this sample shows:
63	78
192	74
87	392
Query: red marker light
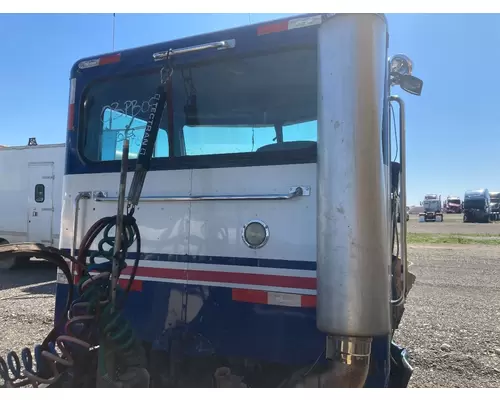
96	62
289	25
110	59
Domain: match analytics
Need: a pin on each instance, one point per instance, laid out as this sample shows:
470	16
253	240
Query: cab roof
244	33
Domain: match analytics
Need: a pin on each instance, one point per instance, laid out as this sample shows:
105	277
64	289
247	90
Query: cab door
258	229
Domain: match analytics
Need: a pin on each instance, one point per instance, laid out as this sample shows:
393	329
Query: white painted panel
216	226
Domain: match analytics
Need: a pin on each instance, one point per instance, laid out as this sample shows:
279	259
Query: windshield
474	203
248	105
431	205
454	201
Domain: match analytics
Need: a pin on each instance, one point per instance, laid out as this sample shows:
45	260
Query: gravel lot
451	324
26	306
452	223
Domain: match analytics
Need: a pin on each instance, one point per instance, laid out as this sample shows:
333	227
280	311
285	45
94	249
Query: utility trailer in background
30	194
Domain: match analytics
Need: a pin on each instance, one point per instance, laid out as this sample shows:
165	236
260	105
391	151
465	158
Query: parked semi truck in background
477	207
495	206
453	205
432	209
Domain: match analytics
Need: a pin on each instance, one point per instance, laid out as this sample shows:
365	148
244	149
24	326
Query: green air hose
121	357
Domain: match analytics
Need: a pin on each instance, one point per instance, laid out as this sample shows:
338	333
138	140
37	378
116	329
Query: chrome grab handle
220	45
296	191
79	196
402	202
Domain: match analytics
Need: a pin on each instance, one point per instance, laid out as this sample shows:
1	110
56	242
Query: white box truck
30	194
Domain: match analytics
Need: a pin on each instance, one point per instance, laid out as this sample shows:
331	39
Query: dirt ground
27	297
451	326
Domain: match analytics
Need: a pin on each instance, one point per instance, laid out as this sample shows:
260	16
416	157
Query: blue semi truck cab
477	206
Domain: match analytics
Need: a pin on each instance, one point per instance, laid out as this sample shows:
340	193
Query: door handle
34	213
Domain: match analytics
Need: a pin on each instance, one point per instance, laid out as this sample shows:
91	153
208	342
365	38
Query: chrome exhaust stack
353	250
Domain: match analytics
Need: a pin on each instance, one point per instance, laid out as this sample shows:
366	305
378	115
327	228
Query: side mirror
401	68
411	84
420	203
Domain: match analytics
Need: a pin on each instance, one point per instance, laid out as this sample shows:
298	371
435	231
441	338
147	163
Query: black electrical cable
54	338
130	233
